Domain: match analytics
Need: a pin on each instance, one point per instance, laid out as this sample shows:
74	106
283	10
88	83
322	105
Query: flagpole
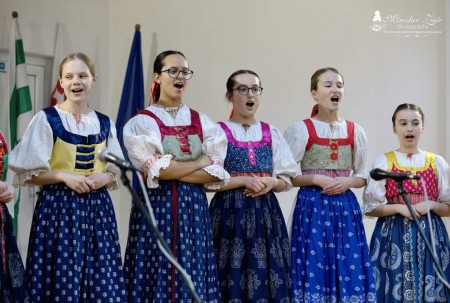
20	105
57	95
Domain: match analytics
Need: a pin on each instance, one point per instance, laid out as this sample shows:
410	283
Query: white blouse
32	154
375	191
297	137
284	165
142	139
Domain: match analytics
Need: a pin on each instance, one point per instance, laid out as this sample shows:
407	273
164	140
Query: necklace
173	111
77	116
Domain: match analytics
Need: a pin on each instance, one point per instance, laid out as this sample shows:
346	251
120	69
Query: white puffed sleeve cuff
144	155
20	178
215	147
217	171
152	166
361	175
369	206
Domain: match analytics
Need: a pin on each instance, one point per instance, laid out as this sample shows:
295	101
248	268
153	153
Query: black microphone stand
162	244
422	233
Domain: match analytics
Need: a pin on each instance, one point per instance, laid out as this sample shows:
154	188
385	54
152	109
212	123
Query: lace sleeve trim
21	178
218	171
152	166
369	206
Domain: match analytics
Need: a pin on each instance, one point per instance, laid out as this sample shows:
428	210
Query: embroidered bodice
328	153
251	156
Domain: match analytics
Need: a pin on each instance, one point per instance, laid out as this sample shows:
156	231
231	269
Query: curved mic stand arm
147	211
438	266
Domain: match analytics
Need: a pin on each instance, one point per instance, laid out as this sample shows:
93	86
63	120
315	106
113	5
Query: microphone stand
162	244
438	267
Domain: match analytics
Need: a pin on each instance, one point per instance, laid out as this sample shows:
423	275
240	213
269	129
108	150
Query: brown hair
231	82
316	75
408	106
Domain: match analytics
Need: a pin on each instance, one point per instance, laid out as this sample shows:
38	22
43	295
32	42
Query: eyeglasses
174	73
243	90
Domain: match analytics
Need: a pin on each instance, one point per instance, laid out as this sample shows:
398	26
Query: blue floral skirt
330	255
403	265
74	250
252	248
181	212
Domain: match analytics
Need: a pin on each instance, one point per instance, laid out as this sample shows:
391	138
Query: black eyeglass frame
256	90
187	73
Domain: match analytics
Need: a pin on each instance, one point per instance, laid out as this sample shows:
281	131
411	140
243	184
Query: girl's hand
260	186
254	184
77	183
338	185
6	192
423	207
96	181
322	181
404	211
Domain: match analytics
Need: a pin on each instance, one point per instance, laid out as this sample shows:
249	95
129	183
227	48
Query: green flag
20	108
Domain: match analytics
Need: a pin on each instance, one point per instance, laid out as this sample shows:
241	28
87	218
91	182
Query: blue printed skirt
252	247
330	256
403	265
181	212
74	251
13	287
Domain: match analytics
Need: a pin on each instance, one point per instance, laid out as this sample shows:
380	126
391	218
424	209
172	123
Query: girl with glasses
330	256
179	151
250	235
404	267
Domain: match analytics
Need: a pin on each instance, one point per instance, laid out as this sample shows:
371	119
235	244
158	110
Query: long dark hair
157	68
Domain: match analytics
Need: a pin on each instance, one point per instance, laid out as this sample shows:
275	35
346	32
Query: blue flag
132	99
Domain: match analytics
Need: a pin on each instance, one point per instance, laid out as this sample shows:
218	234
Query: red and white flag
57	95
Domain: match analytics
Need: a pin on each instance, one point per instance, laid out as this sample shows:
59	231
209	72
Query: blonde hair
79	56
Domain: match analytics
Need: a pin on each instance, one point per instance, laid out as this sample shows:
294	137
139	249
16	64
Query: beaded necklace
173	111
77	116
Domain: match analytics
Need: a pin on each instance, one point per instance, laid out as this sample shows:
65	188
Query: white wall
283	41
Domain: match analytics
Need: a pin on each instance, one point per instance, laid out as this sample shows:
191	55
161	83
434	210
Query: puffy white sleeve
375	191
360	154
215	147
142	139
284	165
113	146
31	155
443	179
297	137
